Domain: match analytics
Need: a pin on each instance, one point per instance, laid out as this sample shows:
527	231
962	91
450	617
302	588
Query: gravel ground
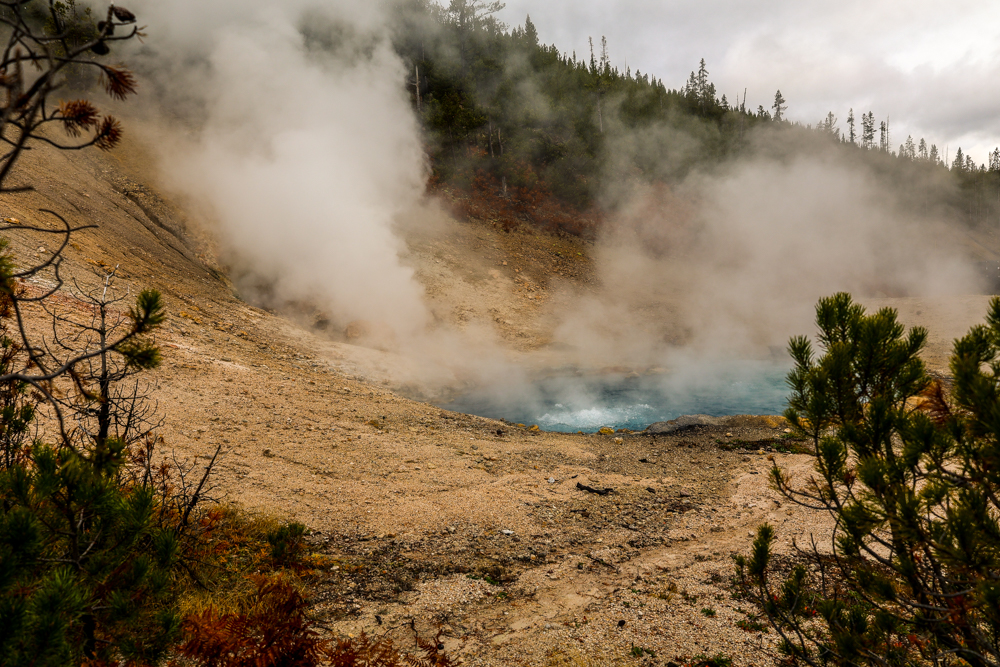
434	519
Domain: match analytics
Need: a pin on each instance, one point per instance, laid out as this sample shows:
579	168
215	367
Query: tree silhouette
958	164
868	130
41	51
779	106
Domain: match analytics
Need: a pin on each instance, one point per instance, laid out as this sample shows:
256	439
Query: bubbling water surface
587	402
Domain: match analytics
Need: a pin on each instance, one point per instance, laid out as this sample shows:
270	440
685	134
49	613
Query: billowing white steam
305	150
734	264
303	153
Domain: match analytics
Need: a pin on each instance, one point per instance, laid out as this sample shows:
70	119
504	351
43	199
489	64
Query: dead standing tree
110	401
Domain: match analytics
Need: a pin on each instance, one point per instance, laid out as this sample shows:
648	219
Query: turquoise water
571	403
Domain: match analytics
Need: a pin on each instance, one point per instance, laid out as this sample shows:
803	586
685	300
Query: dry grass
237	548
760	421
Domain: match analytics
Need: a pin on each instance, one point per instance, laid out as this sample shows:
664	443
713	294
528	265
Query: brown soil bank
446	520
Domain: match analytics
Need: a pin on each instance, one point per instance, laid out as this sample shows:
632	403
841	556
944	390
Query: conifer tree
531	34
958	164
908	470
850	126
472	14
779	106
829	125
92	535
704	89
868	130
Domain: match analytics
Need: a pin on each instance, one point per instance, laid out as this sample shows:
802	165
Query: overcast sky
931	66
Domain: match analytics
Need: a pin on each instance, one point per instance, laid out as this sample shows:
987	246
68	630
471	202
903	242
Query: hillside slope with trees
550	137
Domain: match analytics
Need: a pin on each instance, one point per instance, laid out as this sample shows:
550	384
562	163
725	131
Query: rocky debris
684	422
590	489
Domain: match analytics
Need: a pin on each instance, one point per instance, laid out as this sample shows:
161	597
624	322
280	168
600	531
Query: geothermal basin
572	401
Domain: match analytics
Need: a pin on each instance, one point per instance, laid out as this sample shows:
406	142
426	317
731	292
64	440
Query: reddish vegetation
509	207
274	631
277	631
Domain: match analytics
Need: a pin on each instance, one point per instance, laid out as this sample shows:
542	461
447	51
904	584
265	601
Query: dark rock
684	422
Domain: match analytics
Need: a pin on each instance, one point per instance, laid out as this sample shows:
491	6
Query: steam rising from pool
573	402
313	174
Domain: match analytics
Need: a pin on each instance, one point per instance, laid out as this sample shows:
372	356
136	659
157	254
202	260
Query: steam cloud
306	152
305	149
733	262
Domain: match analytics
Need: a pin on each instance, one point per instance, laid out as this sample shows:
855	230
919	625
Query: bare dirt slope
470	525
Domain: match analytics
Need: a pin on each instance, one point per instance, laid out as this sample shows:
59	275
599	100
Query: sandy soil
472	525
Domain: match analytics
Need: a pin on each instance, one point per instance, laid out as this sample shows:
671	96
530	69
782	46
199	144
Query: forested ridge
541	135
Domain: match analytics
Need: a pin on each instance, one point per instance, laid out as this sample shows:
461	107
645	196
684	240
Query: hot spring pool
571	403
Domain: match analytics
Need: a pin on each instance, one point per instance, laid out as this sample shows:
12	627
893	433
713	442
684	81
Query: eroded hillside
477	527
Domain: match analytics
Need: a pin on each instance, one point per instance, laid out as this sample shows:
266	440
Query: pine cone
123	15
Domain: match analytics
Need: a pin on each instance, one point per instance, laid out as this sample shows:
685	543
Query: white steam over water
289	125
591	419
586	403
